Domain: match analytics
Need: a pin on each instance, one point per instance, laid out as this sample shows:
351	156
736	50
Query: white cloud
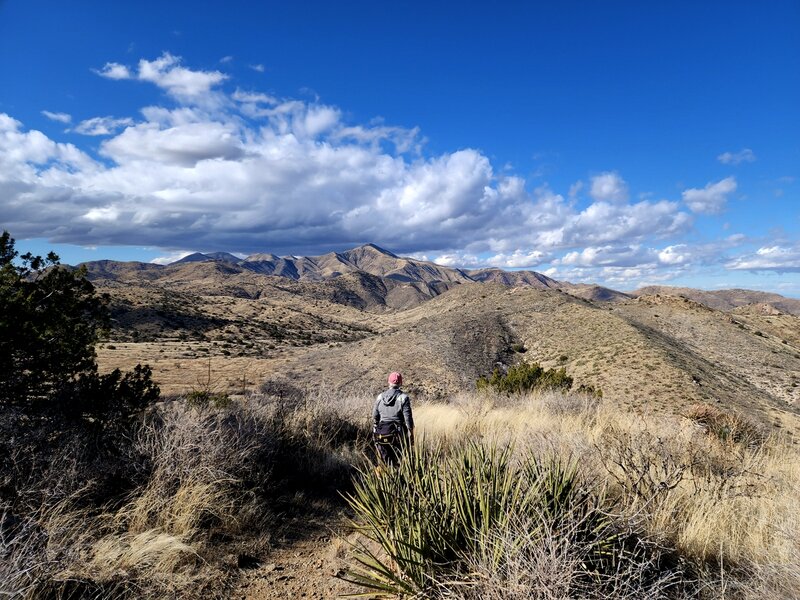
736	158
183	144
226	59
451	259
167	73
711	199
171	257
102	214
783	259
519	259
57	116
603	223
609	256
609	187
114	71
101	125
176	80
254	98
254	172
575	189
20	150
678	254
258	68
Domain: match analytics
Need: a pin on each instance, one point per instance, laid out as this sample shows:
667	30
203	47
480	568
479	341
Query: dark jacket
393	405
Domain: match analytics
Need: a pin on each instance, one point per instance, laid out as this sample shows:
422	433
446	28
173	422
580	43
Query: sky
620	143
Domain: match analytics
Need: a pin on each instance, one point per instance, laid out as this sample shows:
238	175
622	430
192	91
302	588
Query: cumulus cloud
256	172
737	158
711	199
609	187
678	254
609	256
57	116
624	278
779	258
519	259
710	253
167	73
101	125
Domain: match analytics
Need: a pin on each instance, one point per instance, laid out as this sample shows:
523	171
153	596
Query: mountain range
345	319
428	279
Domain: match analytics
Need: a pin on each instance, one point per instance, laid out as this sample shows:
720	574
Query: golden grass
150	550
730	508
720	503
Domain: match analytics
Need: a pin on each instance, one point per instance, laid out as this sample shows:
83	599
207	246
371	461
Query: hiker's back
389	406
393	423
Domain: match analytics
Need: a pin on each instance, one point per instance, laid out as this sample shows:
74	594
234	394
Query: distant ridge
513	278
378	277
726	300
201	257
368	258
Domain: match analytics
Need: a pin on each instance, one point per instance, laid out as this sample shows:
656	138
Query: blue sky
623	143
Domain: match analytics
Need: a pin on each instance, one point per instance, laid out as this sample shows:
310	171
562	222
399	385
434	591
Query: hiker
393	423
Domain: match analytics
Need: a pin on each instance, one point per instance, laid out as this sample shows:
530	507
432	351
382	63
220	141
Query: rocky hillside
345	319
726	300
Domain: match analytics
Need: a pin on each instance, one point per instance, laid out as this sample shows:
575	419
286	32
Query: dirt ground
303	565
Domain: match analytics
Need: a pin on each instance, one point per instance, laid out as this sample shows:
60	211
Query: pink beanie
395	378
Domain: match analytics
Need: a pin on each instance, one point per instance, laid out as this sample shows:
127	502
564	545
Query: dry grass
728	504
212	483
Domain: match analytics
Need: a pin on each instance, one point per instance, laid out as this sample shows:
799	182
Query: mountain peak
194	257
200	257
374	248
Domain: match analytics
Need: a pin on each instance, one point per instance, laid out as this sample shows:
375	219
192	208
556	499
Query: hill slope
346	319
725	299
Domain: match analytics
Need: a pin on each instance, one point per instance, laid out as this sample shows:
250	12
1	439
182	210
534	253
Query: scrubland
539	495
711	497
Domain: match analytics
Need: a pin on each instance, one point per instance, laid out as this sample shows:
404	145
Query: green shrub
50	321
525	377
590	390
205	399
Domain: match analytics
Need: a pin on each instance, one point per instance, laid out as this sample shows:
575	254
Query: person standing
393	422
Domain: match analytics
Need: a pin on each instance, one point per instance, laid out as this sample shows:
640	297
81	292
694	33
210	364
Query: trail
304	565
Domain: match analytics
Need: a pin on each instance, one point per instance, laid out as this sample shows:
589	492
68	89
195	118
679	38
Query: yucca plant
440	510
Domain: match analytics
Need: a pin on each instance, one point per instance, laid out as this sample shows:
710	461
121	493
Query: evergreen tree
50	320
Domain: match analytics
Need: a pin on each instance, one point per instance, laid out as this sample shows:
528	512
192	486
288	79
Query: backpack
387	433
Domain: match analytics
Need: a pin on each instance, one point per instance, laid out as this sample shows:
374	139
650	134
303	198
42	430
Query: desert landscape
400	301
665	424
671	435
343	320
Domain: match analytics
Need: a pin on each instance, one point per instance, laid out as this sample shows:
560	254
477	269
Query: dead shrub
727	427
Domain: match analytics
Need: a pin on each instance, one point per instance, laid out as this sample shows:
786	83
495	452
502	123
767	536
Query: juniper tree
50	320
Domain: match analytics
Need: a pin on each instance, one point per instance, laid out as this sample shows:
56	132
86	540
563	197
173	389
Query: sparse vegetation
473	504
205	485
532	495
525	377
532	488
